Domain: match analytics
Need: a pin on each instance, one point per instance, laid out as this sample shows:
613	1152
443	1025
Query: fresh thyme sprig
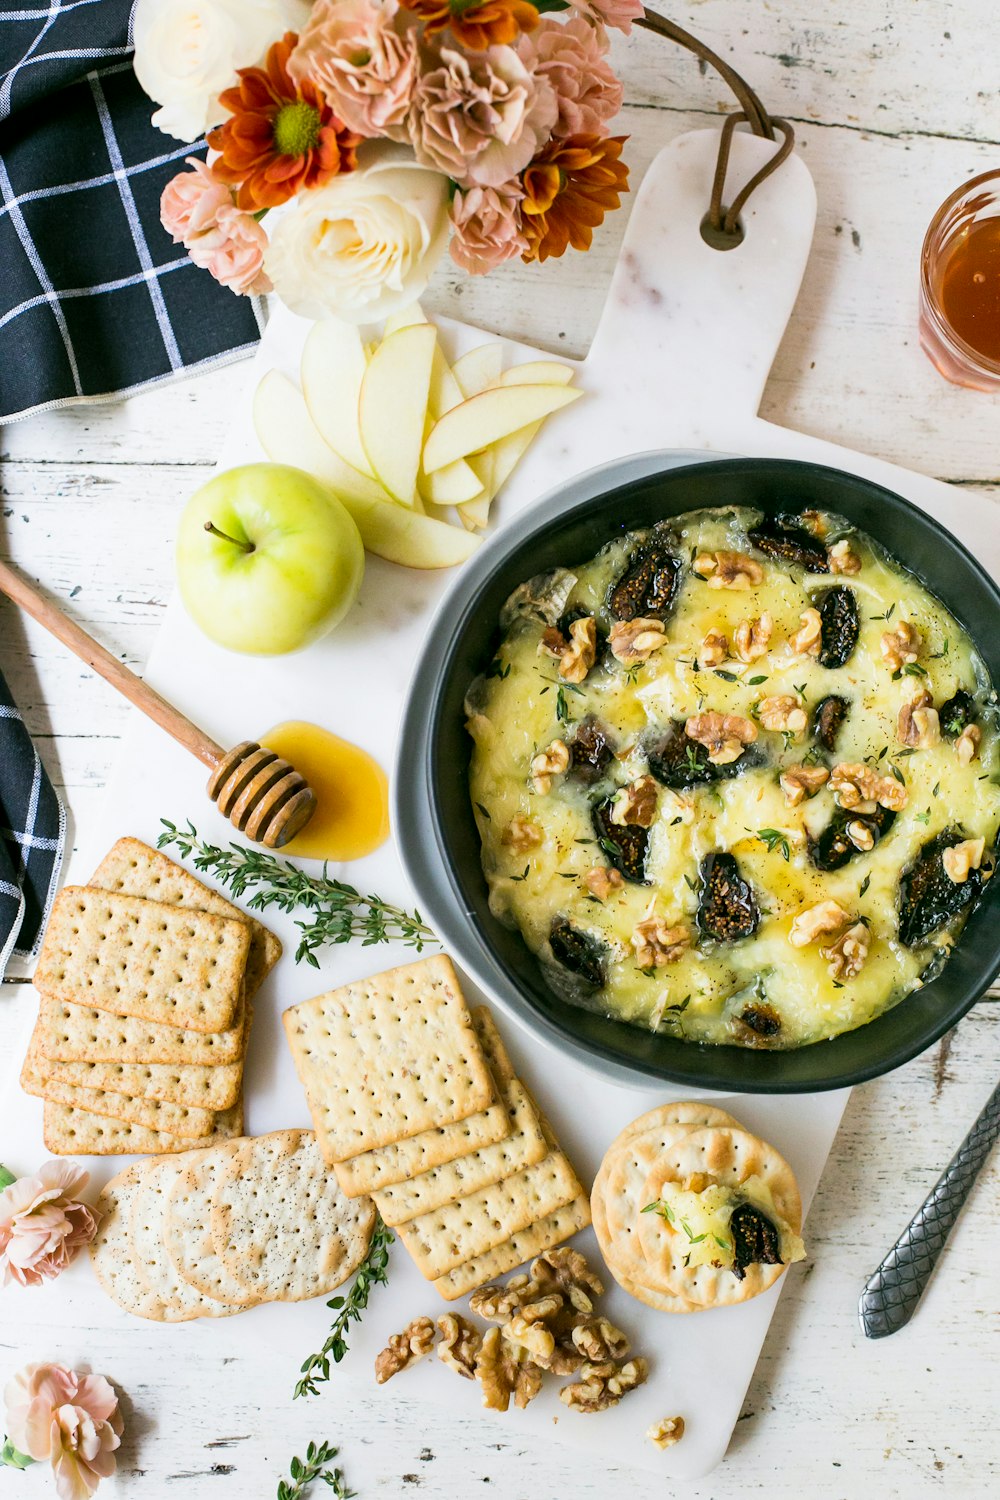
314	1466
373	1271
340	912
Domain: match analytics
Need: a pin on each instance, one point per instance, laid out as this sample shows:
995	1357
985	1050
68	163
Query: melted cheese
522	706
701	1219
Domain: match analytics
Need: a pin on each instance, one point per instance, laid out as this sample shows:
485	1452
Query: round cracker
691	1112
187	1229
112	1254
727	1157
662	1301
153	1264
281	1222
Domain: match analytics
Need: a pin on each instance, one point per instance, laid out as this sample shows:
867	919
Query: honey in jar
960	286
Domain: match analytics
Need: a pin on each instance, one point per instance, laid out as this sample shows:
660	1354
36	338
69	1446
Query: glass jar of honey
960	285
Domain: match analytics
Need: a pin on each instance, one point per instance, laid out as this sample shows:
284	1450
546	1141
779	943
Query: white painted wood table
894	103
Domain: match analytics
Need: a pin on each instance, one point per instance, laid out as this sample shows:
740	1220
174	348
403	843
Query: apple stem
245	546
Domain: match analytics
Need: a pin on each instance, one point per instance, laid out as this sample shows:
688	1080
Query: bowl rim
429	863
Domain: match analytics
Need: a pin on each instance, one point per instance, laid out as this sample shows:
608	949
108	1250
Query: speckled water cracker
491	1042
153	1265
187	1228
442	1240
373	1170
388	1057
112	1254
177	1119
466	1174
143	958
77	1132
729	1158
281	1224
188	1084
75	1033
550	1231
133	869
664	1301
691	1112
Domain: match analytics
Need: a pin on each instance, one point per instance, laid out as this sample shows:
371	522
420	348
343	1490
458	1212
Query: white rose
363	246
187	52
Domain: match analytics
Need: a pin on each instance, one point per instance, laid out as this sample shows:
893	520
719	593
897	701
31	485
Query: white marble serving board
679	361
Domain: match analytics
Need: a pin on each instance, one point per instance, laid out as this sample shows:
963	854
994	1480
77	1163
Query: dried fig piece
828	719
590	752
763	1020
838	611
577	951
785	539
648	584
928	899
834	847
727	906
623	844
957	714
756	1241
677	761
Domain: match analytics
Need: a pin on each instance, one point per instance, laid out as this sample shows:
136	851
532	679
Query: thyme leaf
304	1471
372	1272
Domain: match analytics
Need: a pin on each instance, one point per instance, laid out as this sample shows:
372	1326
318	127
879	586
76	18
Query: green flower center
296	128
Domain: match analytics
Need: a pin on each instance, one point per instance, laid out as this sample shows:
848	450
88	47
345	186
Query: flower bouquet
350	141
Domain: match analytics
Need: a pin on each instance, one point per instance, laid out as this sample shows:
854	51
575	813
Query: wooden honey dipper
263	796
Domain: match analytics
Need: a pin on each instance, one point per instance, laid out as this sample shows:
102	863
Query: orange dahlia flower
568	188
282	136
477	24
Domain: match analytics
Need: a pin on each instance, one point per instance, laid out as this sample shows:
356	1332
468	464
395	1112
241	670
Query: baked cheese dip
735	778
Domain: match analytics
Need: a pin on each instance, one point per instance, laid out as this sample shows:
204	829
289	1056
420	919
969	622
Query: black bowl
437	832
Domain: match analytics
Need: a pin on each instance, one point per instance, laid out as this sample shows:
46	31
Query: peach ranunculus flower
364	58
480	118
69	1419
487	227
572	56
618	14
198	212
42	1223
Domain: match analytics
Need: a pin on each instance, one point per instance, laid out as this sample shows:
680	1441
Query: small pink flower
191	200
487	227
571	55
42	1225
71	1420
199	212
363	56
616	13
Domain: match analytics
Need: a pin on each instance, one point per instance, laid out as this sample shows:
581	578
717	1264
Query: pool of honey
969	290
352	792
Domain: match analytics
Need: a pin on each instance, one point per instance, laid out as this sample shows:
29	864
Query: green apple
268	559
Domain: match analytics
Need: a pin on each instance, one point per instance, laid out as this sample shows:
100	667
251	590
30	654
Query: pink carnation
199	212
191	201
42	1225
69	1419
364	58
487	227
616	13
571	55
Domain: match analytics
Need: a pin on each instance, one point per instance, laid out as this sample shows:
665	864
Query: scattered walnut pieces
961	858
783	714
416	1340
666	1432
728	570
460	1341
857	788
847	955
967	744
918	725
751	637
552	761
714	650
826	917
900	647
603	1386
521	834
807	640
657	944
581	653
800	782
636	640
724	736
601	881
598	1340
843	558
635	804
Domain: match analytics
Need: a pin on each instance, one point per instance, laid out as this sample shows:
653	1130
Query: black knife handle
891	1295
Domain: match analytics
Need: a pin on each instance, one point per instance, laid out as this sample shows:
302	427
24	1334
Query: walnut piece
459	1344
603	1386
842	558
531	1334
666	1432
728	570
601	881
861	835
817	921
416	1340
657	944
714	649
967	744
598	1340
636	640
568	1270
751	637
900	647
635	804
961	858
724	736
521	834
800	782
783	714
918	724
806	642
552	761
859	789
504	1372
581	653
847	955
497	1304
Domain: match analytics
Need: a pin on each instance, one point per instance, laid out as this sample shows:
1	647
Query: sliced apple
509	451
406	318
488	417
537	372
402	536
455	484
479	368
333	367
288	435
392	408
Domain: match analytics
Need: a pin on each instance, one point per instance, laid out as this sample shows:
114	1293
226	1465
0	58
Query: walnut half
817	921
552	761
459	1344
728	570
961	858
636	640
900	647
656	943
635	804
859	789
601	880
782	714
799	782
918	725
847	955
522	834
603	1386
416	1340
581	653
751	637
724	736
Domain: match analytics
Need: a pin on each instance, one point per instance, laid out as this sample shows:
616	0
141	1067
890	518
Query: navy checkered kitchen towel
95	298
32	831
